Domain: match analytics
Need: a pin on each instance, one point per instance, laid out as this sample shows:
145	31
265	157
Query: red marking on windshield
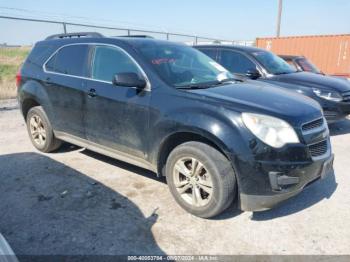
162	61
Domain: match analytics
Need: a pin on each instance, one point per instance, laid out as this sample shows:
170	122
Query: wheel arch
31	94
180	137
27	104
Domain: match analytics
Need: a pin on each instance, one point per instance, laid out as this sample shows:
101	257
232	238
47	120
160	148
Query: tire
199	198
40	130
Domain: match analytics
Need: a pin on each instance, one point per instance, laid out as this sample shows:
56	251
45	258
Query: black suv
171	109
333	94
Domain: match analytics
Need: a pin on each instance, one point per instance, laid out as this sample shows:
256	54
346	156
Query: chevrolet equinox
169	108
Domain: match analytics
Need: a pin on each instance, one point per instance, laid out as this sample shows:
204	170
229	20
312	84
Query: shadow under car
48	208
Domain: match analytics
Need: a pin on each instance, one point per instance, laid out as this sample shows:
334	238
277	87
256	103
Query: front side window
211	52
70	60
235	62
180	65
109	61
273	63
291	64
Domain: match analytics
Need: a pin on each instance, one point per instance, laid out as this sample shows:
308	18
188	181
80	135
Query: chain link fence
26	31
18	35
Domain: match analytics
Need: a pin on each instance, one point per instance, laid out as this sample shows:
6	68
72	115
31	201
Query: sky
223	19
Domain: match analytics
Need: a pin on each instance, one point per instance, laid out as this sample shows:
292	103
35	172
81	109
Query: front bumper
273	187
334	111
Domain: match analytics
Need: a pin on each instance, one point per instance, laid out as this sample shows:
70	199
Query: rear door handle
92	93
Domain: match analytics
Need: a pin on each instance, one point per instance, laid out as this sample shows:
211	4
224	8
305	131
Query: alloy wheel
37	130
193	181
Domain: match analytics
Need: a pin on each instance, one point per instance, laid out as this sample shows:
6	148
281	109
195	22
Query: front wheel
201	179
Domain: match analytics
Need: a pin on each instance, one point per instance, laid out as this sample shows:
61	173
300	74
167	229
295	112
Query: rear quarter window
70	60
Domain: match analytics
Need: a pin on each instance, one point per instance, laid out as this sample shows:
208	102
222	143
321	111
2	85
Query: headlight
327	94
272	131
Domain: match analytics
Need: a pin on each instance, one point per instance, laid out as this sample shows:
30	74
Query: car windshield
307	66
272	63
180	65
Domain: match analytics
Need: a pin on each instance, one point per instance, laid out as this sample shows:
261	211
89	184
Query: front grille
313	124
346	96
318	149
330	114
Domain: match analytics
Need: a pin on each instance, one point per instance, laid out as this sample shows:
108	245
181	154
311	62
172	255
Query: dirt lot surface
75	201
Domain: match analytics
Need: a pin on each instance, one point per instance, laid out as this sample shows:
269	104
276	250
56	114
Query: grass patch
7	81
10	61
20	52
7	89
8	71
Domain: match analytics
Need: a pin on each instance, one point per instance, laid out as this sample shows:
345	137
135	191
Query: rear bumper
284	184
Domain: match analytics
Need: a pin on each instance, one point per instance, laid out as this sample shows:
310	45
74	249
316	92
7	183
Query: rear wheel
201	179
40	130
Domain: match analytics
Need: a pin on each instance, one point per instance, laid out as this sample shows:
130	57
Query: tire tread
221	165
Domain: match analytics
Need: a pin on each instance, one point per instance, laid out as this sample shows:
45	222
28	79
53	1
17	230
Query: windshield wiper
282	73
208	84
231	79
194	86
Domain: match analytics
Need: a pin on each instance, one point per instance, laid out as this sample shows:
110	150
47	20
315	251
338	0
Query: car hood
314	80
265	99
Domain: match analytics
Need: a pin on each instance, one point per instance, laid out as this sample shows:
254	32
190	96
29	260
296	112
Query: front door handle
92	93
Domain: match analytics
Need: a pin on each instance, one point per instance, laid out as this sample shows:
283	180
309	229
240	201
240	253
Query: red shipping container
330	53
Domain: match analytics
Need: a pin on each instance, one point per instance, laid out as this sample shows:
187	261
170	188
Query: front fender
221	127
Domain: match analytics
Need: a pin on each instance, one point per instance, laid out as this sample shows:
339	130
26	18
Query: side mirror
253	73
129	79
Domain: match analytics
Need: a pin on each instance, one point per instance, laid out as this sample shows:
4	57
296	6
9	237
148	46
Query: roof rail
75	35
136	36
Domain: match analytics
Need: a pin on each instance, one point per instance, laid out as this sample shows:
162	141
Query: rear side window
70	60
108	61
236	62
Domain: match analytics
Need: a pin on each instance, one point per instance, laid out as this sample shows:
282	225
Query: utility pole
278	27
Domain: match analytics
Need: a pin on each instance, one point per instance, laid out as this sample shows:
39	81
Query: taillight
18	78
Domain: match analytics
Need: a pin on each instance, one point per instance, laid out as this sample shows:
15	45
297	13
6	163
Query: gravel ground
75	201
